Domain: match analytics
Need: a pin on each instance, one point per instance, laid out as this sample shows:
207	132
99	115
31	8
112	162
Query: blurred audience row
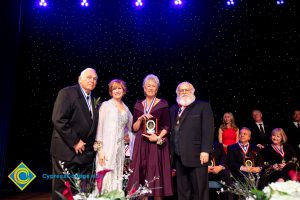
270	153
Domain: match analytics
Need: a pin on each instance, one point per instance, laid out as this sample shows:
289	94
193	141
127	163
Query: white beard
185	100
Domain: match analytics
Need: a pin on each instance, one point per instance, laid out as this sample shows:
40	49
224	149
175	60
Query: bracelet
159	140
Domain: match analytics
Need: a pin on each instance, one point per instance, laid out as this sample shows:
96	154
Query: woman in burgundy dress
151	156
228	131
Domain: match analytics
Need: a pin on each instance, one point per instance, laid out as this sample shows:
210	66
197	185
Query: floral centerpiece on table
85	187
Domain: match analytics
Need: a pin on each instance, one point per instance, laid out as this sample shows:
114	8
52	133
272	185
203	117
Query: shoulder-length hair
233	125
281	132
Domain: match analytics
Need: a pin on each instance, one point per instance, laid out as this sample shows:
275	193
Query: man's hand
217	169
260	146
79	147
245	169
255	169
203	157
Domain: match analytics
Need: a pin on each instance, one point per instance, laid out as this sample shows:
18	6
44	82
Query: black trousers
223	175
73	167
192	182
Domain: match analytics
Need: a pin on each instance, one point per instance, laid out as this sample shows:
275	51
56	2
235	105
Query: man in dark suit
75	121
218	170
244	157
192	129
293	132
260	131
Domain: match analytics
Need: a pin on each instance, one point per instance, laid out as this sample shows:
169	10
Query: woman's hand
126	138
144	117
101	158
275	167
281	165
151	137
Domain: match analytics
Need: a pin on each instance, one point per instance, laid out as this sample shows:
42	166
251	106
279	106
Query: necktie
181	108
261	129
298	125
89	105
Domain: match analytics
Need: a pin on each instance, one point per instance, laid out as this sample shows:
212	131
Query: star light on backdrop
43	3
84	3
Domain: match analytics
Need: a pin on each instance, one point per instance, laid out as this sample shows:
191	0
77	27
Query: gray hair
151	77
245	128
88	69
185	82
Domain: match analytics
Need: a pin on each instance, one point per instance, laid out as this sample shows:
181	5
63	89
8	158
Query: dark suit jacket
272	157
72	121
293	134
219	154
257	137
195	132
235	157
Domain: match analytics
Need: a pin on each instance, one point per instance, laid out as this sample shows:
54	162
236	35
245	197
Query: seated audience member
217	170
260	131
279	156
244	158
293	132
228	131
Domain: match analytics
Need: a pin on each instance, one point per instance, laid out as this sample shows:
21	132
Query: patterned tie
181	108
261	129
89	105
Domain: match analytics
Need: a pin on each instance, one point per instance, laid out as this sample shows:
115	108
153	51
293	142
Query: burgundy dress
149	159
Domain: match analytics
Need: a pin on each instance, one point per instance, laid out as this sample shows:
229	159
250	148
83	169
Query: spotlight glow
84	3
43	3
230	2
177	2
139	3
280	2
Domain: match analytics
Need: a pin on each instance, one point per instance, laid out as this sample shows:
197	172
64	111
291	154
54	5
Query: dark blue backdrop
238	58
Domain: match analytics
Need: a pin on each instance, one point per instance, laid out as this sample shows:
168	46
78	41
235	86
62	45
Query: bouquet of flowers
246	188
85	188
289	190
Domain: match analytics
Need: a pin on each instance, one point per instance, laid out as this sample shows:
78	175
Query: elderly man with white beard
192	130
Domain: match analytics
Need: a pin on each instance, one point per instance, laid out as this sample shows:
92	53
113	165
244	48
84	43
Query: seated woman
279	155
228	131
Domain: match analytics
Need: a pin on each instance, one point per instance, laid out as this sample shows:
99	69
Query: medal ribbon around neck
279	151
244	151
147	111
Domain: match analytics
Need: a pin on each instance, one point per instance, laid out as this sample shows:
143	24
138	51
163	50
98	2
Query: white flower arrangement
289	190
